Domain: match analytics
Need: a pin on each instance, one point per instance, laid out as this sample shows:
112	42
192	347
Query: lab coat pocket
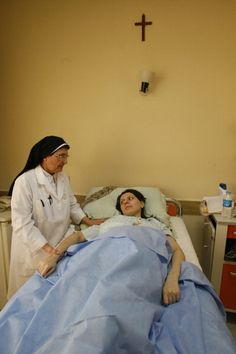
40	209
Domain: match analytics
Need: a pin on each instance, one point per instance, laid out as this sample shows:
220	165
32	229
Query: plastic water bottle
227	205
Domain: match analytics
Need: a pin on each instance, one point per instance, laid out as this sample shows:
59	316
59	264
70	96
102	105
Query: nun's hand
47	265
96	221
91	222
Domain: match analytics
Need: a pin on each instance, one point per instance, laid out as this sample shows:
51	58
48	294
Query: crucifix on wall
143	24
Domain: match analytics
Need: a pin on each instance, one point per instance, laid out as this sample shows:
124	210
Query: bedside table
223	272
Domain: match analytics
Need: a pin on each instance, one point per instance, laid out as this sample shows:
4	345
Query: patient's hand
48	264
171	290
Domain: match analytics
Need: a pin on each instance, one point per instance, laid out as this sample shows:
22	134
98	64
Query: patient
131	204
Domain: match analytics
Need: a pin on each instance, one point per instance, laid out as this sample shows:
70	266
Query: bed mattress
184	240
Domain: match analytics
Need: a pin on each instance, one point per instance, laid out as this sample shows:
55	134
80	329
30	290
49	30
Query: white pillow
105	207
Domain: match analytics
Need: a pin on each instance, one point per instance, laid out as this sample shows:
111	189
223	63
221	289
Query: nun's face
55	163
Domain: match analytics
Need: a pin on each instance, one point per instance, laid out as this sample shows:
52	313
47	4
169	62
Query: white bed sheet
184	240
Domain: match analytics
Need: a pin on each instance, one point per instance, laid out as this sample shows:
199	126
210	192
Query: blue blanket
106	297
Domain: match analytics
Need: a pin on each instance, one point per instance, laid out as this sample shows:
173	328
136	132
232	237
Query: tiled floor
231	321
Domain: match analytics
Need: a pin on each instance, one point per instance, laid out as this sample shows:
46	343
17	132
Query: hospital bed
106	295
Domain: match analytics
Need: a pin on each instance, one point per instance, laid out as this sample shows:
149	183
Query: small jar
203	208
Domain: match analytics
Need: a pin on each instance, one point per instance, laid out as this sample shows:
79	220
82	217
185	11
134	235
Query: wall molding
190	207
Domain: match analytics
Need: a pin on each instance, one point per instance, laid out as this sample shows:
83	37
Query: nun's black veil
39	151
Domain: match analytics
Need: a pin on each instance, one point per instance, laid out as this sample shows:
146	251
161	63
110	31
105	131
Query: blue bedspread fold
106	297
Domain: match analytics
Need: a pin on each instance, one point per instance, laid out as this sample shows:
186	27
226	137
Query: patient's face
131	205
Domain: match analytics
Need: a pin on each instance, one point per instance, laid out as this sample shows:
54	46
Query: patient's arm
171	290
48	264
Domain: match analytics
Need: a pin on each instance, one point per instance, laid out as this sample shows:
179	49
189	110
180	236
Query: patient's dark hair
137	195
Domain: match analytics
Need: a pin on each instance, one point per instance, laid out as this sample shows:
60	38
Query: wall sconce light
146	77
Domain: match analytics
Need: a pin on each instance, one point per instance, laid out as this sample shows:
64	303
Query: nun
42	208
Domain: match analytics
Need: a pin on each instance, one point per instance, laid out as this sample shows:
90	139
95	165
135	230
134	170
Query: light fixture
146	77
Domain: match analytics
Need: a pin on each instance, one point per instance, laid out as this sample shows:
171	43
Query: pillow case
104	207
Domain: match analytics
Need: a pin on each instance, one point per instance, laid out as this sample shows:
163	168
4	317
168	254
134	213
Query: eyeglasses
61	157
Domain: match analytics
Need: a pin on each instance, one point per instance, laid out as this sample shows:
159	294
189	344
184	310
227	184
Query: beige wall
71	68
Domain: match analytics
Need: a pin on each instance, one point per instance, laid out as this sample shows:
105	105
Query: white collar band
59	147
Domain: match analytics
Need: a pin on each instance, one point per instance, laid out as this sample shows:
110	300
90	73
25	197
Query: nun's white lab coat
42	211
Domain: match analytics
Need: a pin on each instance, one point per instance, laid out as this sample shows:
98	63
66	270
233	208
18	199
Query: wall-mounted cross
143	24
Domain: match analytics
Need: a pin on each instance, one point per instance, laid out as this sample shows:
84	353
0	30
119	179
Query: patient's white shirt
121	220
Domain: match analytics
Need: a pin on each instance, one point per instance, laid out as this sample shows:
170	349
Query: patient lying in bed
106	296
130	203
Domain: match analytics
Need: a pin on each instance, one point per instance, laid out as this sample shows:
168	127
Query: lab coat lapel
43	180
